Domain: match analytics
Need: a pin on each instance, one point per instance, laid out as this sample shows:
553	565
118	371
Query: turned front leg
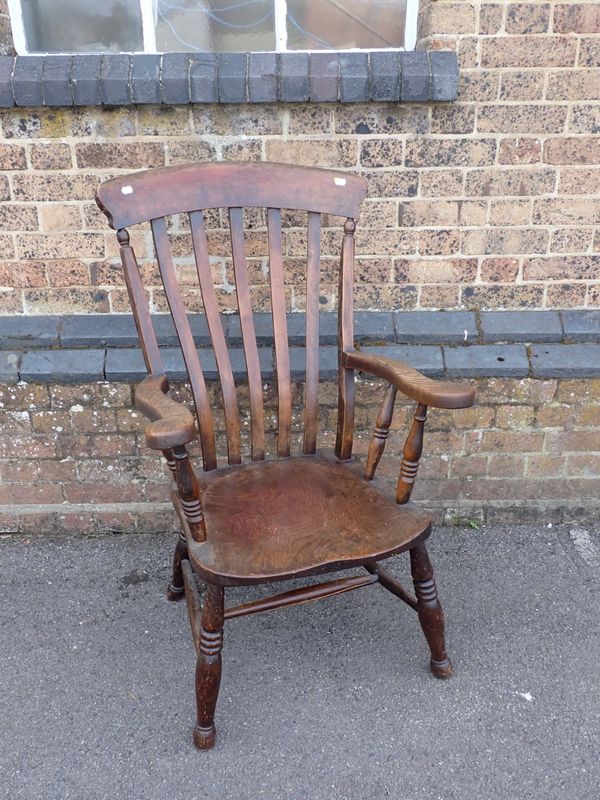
429	609
411	454
208	666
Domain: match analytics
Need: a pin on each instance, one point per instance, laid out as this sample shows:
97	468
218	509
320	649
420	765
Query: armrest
439	394
172	424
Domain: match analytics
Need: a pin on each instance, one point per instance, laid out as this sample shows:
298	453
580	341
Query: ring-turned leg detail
429	609
208	666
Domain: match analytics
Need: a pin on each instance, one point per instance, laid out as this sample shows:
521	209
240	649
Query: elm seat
297	513
300	516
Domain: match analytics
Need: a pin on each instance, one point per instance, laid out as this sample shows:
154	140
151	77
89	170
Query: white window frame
149	10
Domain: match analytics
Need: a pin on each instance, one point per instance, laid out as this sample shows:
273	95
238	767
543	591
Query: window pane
82	26
343	24
218	25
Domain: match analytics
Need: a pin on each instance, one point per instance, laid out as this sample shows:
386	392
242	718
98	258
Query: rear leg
176	589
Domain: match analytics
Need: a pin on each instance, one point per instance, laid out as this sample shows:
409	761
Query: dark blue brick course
521	326
62	366
354	77
175	78
145	79
9	366
115	74
565	360
7	64
323	77
508	361
416	77
293	77
27	81
444	74
385	76
85	79
121	79
262	77
203	78
231	69
429	327
56	81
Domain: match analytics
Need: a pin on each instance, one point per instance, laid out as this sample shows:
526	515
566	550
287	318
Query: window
131	26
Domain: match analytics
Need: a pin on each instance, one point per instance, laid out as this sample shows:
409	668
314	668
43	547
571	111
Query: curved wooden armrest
439	394
172	424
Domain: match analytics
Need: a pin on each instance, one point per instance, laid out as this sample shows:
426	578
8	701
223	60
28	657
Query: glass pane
217	25
82	26
344	24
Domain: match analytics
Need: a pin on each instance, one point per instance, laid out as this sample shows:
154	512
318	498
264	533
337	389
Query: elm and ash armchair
272	518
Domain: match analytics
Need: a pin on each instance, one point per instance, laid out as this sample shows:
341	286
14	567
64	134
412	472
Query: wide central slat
186	340
282	356
211	309
248	334
313	266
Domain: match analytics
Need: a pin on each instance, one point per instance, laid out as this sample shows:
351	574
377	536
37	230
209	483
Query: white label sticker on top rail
126	189
339	181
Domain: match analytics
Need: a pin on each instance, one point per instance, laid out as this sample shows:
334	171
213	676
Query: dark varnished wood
172	424
439	394
345	426
139	305
411	455
208	666
311	384
306	594
176	588
242	288
282	355
189	494
392	584
192	600
217	335
380	433
139	196
430	611
186	340
292	517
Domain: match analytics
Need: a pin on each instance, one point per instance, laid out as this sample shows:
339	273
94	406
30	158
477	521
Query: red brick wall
72	458
488	202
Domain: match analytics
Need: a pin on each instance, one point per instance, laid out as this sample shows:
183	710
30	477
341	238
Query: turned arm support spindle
413	448
380	432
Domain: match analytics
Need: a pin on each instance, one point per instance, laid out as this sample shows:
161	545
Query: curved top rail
140	196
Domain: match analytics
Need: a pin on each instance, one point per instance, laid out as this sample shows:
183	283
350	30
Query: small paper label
339	181
127	190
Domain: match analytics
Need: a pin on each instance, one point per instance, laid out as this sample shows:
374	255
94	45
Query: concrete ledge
402	327
266	77
517	344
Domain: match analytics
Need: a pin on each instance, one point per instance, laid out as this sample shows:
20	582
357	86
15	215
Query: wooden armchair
291	515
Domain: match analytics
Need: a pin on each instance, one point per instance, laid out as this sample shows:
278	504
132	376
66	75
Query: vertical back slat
139	306
211	309
186	340
282	355
345	428
248	334
313	267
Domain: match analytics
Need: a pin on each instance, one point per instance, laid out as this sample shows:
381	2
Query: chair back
194	189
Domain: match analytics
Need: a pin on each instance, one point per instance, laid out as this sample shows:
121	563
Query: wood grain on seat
297	516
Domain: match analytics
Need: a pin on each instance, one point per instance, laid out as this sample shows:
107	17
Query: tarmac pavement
327	700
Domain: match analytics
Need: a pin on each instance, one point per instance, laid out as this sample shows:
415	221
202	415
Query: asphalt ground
327	700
